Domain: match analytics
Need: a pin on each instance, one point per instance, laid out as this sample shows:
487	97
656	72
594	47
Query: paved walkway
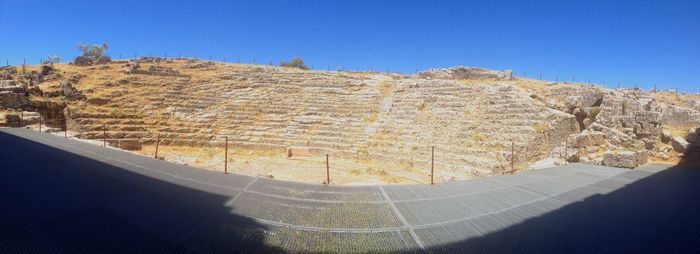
66	196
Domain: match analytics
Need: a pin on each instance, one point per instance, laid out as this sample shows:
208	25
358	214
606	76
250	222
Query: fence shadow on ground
56	201
658	213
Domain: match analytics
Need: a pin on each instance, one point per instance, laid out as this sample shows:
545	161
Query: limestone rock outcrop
91	60
679	144
625	159
474	117
462	72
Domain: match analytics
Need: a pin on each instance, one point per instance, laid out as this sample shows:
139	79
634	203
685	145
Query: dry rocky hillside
281	121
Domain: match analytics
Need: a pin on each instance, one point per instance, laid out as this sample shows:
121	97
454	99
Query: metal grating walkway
66	196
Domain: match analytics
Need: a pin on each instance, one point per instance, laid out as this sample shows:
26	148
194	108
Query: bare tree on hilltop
92	54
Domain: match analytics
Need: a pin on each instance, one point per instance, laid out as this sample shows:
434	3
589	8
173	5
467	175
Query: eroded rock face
567	97
462	72
676	115
625	159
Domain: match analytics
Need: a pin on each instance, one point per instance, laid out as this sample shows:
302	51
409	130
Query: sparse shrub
594	113
477	136
52	60
422	106
296	63
385	88
624	107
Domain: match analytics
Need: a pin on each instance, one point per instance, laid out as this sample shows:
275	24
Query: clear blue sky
642	42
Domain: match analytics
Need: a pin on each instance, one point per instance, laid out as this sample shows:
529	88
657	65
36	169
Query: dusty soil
300	169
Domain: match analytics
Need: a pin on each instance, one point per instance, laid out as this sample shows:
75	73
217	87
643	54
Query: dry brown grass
670	97
385	88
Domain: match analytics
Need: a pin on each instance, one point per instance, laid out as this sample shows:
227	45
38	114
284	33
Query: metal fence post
39	123
566	150
65	129
432	165
104	135
21	118
157	144
226	155
328	172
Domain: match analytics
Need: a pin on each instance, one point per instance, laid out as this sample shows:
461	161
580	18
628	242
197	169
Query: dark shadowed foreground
64	196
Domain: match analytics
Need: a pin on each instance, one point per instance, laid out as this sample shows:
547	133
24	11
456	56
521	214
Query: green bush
296	63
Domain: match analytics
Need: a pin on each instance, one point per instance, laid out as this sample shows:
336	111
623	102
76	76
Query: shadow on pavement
55	201
657	213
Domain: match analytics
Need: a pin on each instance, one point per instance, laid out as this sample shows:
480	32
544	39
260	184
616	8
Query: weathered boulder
46	70
614	136
7	72
151	59
679	144
7	83
98	101
666	136
12	86
625	159
567	97
26	118
587	138
647	123
162	71
12	120
11	99
65	89
131	68
693	137
135	68
192	64
91	60
71	92
130	145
